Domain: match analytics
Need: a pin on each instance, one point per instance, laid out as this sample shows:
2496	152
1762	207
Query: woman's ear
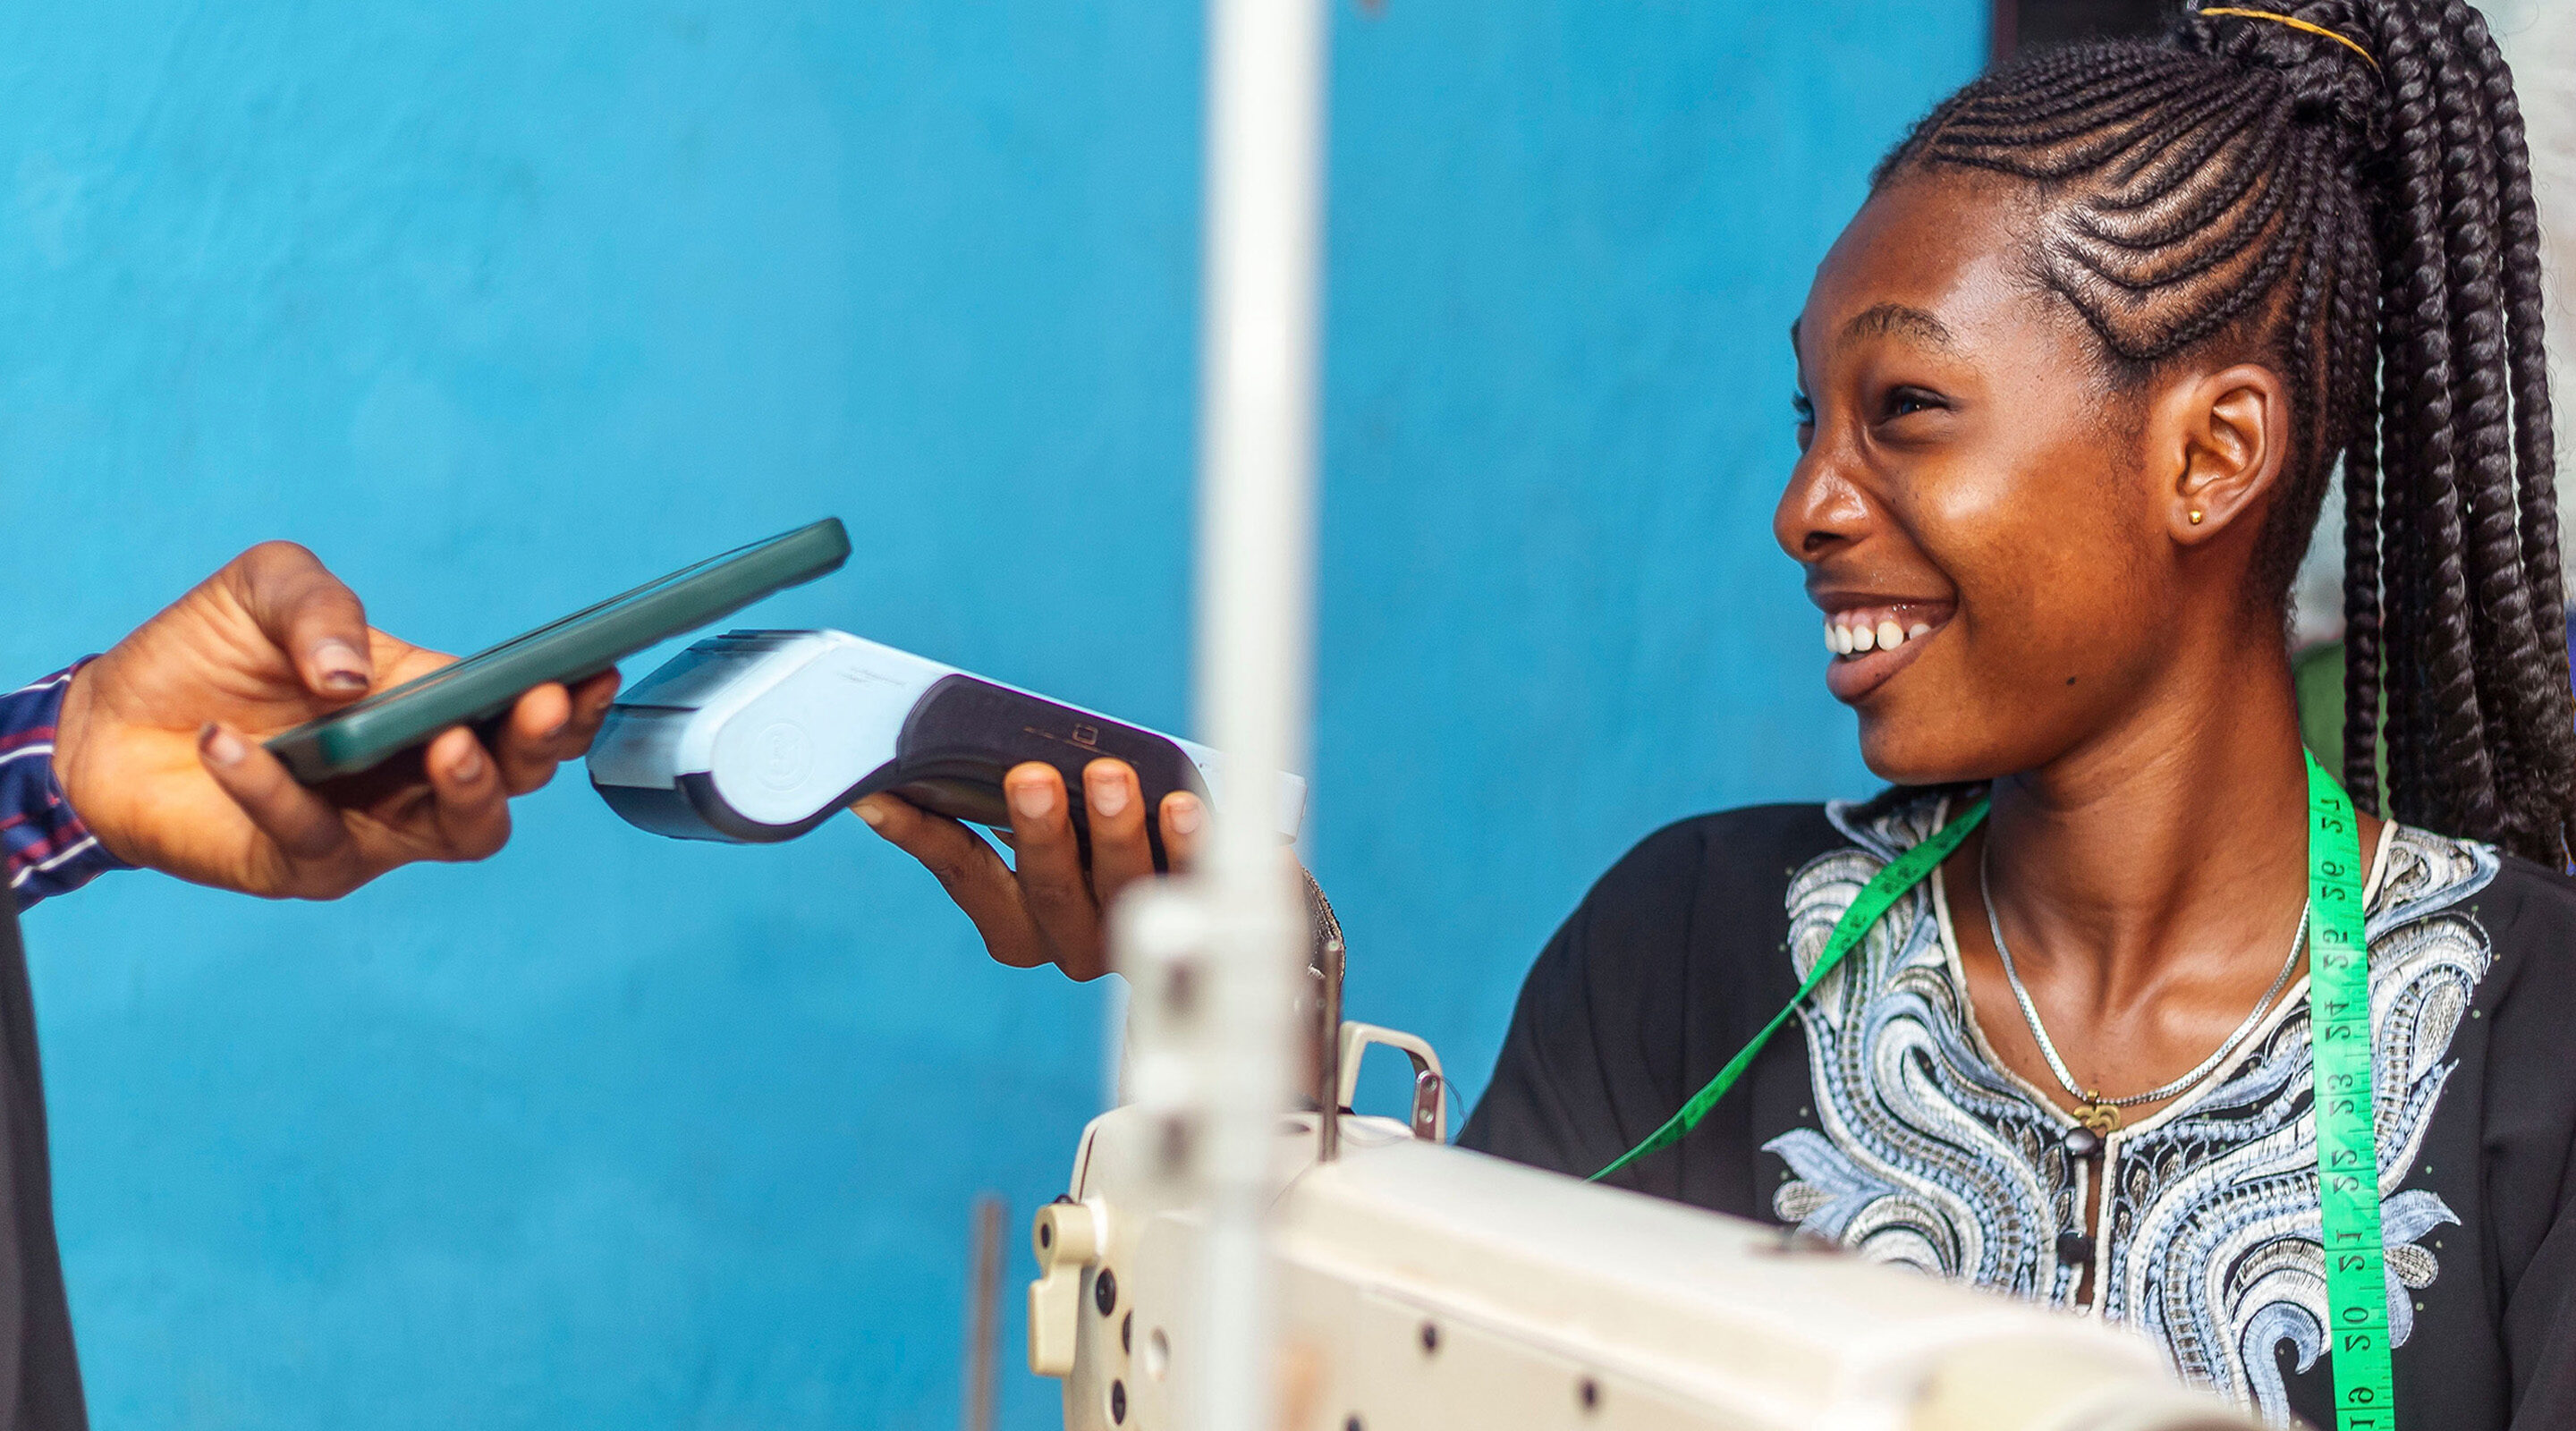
2218	441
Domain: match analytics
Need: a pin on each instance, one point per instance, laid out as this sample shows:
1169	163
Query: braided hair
2353	208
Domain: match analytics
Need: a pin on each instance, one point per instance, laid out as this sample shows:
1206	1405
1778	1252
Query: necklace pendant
2100	1117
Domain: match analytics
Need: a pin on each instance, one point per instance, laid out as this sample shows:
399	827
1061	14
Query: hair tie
2297	24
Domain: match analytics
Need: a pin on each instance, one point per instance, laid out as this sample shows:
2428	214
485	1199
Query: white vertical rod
1257	454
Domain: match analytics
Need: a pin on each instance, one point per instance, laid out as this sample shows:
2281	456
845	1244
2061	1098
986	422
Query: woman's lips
1873	640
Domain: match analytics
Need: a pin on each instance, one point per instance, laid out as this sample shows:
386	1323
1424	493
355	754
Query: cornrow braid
2359	215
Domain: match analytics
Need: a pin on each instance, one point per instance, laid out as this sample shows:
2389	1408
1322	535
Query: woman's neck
2174	839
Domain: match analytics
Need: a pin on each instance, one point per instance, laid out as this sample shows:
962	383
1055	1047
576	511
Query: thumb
311	616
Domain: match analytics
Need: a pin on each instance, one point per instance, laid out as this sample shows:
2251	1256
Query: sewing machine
1420	1285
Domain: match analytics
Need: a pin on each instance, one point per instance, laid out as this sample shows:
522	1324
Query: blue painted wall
502	306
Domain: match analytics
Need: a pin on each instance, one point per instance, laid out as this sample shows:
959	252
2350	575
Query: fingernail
1184	813
343	669
870	811
1107	794
469	766
220	745
1032	800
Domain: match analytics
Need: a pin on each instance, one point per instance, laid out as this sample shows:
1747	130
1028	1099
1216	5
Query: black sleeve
2528	1163
1592	1063
1672	961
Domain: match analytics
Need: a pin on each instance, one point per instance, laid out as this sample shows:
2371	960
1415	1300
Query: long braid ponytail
2357	205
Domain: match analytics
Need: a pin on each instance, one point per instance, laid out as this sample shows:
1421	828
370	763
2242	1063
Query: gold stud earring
2196	515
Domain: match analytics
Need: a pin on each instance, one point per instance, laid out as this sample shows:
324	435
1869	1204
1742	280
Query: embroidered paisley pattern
1929	1156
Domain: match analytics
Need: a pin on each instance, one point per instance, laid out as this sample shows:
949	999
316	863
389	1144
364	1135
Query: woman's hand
158	745
1050	910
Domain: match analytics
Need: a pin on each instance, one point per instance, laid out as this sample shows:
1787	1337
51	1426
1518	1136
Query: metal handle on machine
1330	957
1430	1105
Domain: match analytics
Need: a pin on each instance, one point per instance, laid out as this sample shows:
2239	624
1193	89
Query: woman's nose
1820	512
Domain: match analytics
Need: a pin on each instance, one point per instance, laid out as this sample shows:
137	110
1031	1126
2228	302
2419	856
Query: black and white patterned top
1888	1124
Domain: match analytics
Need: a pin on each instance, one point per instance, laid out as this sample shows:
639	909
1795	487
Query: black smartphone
484	685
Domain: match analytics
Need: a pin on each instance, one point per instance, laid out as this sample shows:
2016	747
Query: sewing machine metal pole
1214	968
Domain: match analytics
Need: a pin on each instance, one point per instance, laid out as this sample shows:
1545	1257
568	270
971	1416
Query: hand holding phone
151	751
155	748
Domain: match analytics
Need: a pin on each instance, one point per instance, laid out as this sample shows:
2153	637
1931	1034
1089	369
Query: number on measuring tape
2347	1145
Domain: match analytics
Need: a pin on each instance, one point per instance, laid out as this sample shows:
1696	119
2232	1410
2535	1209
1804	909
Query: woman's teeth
1852	632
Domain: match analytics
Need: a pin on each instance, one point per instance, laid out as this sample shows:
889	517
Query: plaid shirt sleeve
45	847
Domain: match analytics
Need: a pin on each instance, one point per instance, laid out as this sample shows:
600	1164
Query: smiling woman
2073	384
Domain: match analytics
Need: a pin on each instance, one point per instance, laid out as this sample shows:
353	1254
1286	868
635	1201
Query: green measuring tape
2347	1142
1889	885
2339	1032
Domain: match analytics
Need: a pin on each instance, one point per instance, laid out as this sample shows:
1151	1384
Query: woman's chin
1912	752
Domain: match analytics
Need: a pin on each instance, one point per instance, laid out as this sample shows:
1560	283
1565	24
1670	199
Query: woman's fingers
1049	908
967	868
1115	805
1050	867
303	825
1182	816
469	804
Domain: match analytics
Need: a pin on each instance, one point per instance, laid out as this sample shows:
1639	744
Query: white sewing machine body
1426	1286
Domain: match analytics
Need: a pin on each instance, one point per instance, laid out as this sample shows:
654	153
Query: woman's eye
1904	402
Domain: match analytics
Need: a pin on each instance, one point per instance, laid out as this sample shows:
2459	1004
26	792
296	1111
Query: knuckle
951	868
274	556
1108	887
1053	889
310	840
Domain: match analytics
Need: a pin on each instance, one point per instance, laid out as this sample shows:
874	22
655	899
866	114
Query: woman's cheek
1987	696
